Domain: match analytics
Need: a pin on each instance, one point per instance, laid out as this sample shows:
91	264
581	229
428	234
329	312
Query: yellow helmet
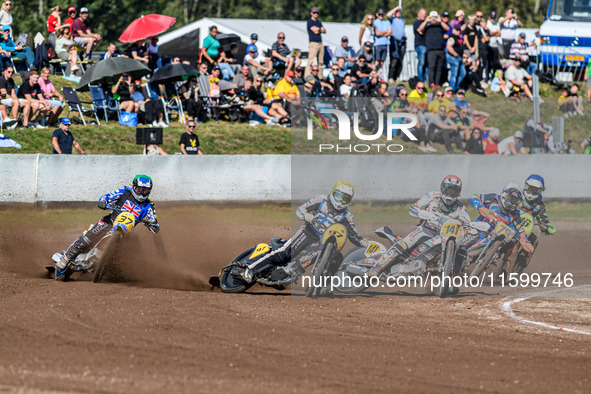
341	195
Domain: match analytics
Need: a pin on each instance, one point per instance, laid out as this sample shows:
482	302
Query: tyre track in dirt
142	331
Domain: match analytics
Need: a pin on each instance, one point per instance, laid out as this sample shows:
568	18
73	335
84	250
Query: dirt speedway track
156	327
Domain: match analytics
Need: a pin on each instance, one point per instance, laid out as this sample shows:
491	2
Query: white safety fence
53	178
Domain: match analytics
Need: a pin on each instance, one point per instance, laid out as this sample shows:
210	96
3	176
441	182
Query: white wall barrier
50	178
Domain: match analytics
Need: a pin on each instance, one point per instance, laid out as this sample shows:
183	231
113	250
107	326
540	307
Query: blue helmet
533	188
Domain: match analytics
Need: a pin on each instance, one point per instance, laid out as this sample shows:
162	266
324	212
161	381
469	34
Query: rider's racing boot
62	275
63	263
63	271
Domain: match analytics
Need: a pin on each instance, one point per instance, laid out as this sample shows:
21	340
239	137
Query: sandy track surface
156	327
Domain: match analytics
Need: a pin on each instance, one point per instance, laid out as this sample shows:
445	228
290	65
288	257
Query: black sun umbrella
173	72
110	69
226	40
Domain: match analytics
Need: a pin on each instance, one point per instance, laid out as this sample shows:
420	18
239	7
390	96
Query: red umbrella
146	26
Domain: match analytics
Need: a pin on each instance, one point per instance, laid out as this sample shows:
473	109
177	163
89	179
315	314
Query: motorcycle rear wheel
106	257
325	256
482	264
228	283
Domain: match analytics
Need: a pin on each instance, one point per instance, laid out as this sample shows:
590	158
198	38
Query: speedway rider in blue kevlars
503	207
533	204
314	213
133	200
429	209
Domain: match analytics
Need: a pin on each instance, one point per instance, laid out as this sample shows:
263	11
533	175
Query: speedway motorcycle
359	261
497	243
319	255
511	256
98	259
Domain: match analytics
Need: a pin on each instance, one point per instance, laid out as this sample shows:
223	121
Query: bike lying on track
320	255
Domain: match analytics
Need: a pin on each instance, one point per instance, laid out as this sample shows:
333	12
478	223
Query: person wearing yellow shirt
286	89
417	97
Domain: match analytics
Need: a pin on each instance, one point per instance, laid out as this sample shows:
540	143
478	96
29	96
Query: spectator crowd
466	53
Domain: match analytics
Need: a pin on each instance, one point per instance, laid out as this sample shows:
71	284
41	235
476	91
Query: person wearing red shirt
71	16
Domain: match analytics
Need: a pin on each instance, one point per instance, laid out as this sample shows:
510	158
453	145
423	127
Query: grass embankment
227	138
252	214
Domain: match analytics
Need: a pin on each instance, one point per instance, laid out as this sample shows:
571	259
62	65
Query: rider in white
335	207
432	210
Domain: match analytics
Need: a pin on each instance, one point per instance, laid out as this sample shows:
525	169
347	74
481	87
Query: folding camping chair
74	104
100	102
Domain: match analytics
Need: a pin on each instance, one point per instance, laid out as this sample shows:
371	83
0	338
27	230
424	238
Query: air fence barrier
281	178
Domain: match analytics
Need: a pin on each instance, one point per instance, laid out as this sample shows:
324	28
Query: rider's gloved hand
551	230
426	215
364	242
102	204
485	212
154	227
308	217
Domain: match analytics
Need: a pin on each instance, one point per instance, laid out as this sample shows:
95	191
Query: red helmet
451	187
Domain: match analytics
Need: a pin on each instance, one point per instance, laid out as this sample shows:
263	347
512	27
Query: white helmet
534	186
510	197
451	187
341	195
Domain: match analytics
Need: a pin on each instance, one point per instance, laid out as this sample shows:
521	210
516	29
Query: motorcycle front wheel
106	256
483	262
324	258
447	266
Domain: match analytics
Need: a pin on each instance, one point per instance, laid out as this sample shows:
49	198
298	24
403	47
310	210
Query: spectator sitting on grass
346	52
346	88
9	97
30	91
314	86
367	51
280	53
491	142
52	96
474	143
125	89
139	51
258	64
240	79
498	84
586	145
518	78
65	49
462	119
360	72
418	96
576	99
113	51
82	34
251	106
10	49
565	104
512	145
